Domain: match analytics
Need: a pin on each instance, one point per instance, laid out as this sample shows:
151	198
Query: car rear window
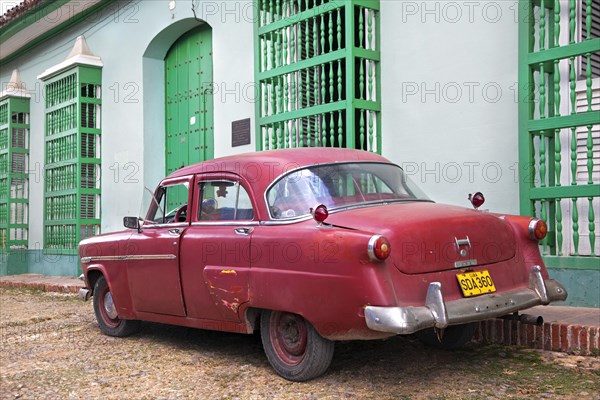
339	185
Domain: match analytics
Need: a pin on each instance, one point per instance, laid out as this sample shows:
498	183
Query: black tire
109	321
454	337
294	348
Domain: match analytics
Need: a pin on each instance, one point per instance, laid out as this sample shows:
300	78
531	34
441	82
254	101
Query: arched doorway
189	120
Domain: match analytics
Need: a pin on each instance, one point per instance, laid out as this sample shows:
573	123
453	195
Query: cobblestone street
51	348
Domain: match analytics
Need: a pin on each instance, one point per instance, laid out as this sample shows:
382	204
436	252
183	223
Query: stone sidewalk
573	330
62	284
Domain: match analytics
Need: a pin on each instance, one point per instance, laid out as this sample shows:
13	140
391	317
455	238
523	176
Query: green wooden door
189	100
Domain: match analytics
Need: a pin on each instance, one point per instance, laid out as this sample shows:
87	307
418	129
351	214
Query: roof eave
46	7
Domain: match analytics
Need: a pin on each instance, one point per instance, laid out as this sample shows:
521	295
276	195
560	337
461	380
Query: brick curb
44	286
565	338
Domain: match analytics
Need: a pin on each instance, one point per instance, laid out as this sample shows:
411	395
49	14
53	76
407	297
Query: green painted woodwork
317	68
72	158
189	100
14	176
37	14
551	186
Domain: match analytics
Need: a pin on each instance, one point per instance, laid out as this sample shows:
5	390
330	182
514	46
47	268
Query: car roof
267	165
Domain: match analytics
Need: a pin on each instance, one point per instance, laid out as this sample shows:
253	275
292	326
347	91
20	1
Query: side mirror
132	223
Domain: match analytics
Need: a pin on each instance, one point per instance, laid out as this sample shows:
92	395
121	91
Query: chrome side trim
149	225
306	217
226	223
286	221
440	314
87	260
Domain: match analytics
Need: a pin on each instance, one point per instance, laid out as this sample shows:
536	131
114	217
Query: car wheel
106	313
454	337
294	348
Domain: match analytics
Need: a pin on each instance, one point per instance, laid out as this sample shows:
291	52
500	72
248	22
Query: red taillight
477	199
320	213
379	248
537	229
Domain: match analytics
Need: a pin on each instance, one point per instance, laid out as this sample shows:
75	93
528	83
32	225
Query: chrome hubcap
109	306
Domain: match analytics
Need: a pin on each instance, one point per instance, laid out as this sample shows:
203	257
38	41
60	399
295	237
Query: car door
153	257
215	252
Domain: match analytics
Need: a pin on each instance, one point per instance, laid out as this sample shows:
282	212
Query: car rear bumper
84	294
440	314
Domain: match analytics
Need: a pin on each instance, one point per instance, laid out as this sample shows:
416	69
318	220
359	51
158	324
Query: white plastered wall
449	86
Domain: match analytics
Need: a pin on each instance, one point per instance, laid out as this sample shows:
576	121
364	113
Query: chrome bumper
84	294
440	314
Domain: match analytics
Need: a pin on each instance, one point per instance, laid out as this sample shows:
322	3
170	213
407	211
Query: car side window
170	204
224	200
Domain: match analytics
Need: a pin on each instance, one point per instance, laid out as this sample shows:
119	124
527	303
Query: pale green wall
583	286
132	42
34	261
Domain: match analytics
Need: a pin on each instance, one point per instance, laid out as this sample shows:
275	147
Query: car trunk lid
427	237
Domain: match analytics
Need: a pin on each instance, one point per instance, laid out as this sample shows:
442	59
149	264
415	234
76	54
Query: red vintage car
312	246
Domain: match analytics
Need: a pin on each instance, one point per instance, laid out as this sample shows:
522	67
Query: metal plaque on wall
240	132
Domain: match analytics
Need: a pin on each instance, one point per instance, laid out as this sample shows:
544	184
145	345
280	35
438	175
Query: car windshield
339	185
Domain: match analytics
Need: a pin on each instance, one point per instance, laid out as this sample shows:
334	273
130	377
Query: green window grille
559	126
318	74
72	158
14	172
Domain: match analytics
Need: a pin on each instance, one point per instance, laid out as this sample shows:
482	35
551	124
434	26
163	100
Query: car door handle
175	232
243	231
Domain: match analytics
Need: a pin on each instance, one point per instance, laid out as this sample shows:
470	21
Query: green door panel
189	100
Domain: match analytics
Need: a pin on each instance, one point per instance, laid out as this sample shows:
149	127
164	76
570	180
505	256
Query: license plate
475	283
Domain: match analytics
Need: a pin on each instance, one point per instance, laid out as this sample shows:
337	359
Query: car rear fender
528	251
333	303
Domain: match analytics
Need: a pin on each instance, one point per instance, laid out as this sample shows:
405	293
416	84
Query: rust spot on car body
233	306
229	271
228	288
